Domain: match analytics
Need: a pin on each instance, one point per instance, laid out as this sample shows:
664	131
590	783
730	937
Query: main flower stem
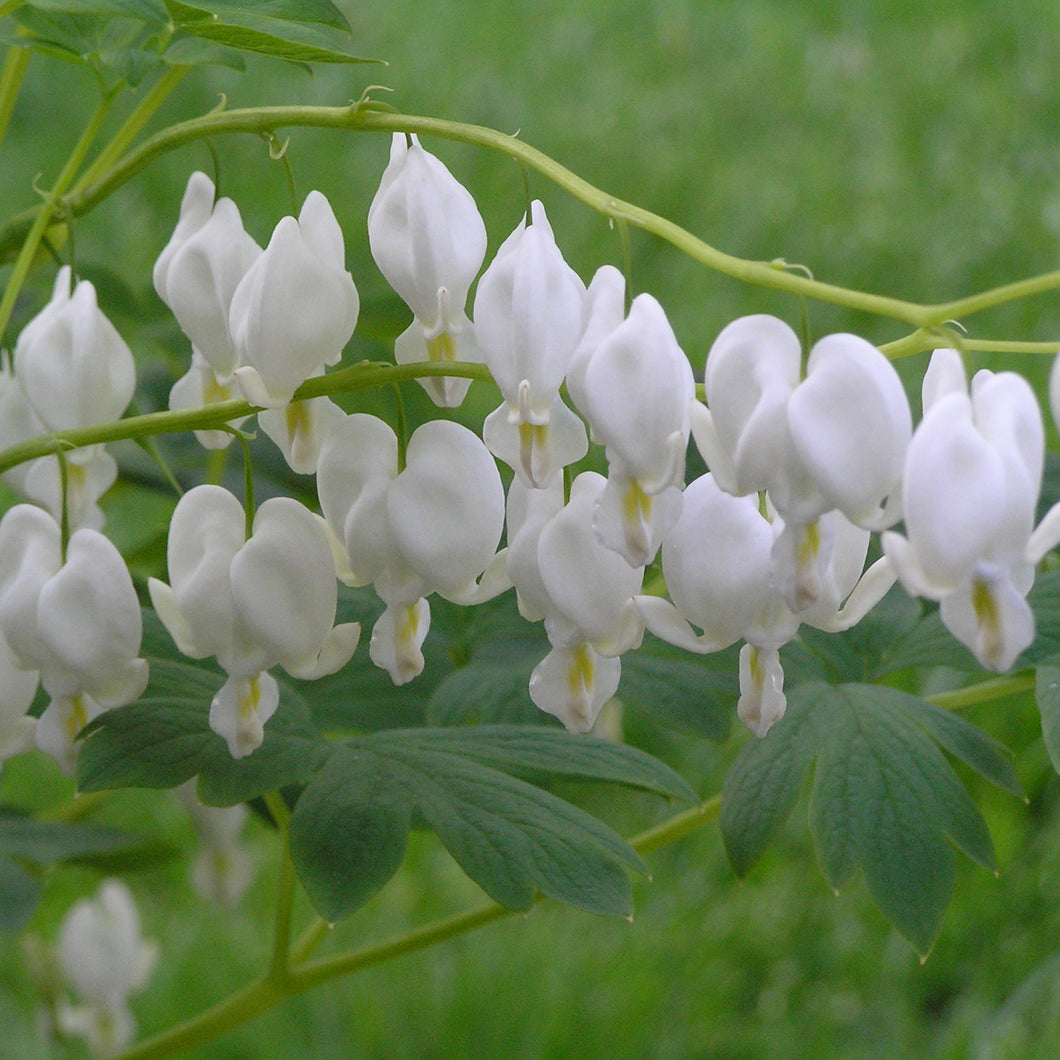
363	376
271	989
367	117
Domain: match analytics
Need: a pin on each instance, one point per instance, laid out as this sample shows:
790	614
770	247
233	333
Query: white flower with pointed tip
834	440
105	959
528	320
223	868
296	307
74	367
586	592
432	527
299	428
637	390
200	268
253	603
719	565
428	239
972	476
75	619
18	687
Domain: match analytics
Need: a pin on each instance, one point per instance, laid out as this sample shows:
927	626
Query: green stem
132	126
983	692
14	70
278	968
357	377
46	211
264	993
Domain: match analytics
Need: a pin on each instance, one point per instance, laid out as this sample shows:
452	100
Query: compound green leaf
512	838
349	830
164	739
884	799
254	27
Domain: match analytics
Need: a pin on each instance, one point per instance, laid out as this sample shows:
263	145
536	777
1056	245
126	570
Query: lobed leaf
349	830
255	27
349	827
164	739
690	694
1047	697
884	799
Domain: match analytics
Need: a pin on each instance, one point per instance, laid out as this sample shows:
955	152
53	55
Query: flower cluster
810	453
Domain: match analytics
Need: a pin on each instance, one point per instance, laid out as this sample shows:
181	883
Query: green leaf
884	799
531	753
244	27
349	831
485	692
19	893
687	693
513	839
144	10
321	11
1047	696
24	837
349	826
190	51
164	739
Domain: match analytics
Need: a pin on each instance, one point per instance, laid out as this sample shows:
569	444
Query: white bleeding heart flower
200	386
18	687
718	560
75	619
296	307
433	526
254	603
834	440
106	960
528	320
74	367
637	391
200	268
299	429
603	310
223	867
972	477
429	240
586	592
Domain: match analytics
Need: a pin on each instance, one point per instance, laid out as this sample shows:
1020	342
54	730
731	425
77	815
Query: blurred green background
898	147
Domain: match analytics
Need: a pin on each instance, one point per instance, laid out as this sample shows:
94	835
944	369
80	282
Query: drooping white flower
200	267
253	603
432	527
18	686
834	441
585	592
720	571
105	960
296	307
299	429
74	367
428	239
223	869
637	390
528	320
972	476
76	620
200	386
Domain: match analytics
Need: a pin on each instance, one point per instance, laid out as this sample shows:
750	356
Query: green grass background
903	148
